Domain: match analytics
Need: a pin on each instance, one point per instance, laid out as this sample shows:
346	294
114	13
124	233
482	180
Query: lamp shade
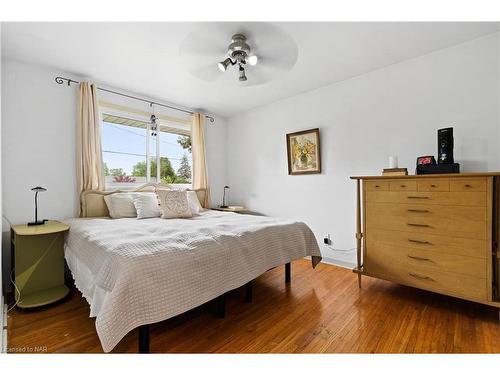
37	189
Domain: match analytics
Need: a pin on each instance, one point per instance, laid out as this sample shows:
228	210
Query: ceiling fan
239	53
258	52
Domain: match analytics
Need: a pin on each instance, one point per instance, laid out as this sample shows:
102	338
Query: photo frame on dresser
304	152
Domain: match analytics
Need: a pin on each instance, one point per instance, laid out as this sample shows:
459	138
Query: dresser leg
359	280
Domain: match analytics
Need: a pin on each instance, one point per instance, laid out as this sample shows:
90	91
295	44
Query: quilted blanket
134	272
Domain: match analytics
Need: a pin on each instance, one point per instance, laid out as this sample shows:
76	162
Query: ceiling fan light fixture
239	53
224	64
252	60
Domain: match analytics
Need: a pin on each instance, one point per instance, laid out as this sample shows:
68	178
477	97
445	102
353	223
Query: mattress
134	272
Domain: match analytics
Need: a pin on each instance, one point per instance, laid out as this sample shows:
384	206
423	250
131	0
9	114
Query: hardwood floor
321	311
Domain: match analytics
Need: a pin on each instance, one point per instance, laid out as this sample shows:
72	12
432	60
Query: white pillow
146	205
120	205
194	202
174	204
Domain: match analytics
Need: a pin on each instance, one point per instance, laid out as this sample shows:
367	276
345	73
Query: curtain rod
60	81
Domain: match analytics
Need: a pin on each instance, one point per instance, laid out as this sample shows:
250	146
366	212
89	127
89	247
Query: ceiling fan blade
261	74
208	72
202	46
277	63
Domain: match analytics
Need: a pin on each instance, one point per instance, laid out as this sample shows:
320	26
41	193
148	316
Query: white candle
393	161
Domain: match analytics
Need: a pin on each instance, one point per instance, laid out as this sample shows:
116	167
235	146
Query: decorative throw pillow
174	204
146	205
120	205
194	202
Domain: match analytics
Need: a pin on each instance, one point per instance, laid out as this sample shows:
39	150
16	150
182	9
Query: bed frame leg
288	272
248	292
144	339
221	306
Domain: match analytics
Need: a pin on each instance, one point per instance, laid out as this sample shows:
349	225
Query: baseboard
338	262
335	262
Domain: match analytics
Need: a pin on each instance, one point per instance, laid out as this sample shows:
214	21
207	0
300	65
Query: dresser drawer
403	185
426	259
422	211
472	184
459	221
439	184
437	273
476	198
435	243
376	185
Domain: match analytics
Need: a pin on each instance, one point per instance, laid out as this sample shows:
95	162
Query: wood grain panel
411	211
394	263
404	185
459	221
376	185
443	198
437	243
438	184
470	184
427	258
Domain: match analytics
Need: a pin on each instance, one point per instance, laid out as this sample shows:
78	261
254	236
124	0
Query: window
129	146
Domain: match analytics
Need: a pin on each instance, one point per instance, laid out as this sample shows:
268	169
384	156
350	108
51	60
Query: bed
138	272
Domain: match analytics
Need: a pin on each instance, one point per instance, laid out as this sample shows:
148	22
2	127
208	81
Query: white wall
38	145
363	120
38	139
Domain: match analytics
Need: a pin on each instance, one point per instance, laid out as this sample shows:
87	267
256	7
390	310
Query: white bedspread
135	272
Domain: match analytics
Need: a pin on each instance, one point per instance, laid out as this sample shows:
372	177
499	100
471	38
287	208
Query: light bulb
252	60
242	77
224	64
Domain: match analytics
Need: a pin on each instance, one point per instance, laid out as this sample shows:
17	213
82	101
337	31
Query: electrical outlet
327	240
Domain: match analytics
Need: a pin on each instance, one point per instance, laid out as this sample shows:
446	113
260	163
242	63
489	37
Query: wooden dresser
433	232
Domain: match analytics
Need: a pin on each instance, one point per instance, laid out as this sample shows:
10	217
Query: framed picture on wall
304	153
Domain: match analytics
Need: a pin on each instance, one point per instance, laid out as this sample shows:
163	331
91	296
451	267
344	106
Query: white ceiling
144	58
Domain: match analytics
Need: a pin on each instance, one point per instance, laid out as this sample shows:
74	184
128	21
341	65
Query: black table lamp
37	190
224	197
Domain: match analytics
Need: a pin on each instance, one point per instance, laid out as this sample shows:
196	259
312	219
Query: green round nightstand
38	254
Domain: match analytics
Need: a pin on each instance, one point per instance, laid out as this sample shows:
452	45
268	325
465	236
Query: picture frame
304	152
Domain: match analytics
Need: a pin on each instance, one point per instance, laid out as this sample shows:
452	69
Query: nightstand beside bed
238	210
38	260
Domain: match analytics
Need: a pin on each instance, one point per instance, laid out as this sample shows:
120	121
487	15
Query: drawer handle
377	186
468	185
415	210
414	197
419	258
416	276
432	185
419	225
420	242
403	186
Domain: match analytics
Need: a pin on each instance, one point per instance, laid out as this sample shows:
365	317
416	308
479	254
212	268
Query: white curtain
200	176
90	174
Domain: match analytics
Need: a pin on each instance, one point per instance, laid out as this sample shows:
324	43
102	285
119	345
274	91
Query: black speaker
445	146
